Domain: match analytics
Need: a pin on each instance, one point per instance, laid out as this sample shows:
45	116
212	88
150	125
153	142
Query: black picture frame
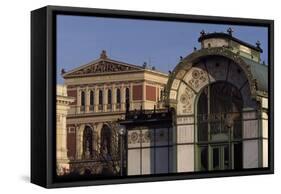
43	92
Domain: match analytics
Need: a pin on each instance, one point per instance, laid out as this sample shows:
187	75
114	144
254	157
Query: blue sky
80	39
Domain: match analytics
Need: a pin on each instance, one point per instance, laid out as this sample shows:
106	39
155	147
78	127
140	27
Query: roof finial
144	65
202	32
230	31
258	43
63	71
103	54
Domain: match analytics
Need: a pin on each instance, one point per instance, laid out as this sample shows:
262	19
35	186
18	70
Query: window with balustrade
109	100
92	100
127	95
118	98
82	107
100	106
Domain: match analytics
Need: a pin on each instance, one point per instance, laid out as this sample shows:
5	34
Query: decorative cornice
101	67
229	36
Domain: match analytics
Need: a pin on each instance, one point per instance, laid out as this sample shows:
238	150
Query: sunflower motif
184	99
195	74
134	137
147	136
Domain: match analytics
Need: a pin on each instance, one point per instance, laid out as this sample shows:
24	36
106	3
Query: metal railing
156	114
97	108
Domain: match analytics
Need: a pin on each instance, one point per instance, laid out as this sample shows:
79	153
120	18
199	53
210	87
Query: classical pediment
102	66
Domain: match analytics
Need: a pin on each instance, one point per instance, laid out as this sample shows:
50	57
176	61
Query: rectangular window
153	151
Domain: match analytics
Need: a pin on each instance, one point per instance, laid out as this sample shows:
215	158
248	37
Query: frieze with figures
104	67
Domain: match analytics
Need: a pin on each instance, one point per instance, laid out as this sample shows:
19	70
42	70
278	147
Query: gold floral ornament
134	137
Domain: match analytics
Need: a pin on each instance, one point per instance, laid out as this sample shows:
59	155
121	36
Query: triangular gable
101	66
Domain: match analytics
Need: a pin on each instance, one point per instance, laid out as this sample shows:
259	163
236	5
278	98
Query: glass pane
161	160
238	156
82	98
91	98
202	131
220	105
237	128
134	167
147	158
202	116
100	97
109	97
226	157
204	158
215	128
216	159
118	96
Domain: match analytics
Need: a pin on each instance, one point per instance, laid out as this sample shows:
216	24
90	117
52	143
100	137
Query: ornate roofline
188	62
134	68
228	36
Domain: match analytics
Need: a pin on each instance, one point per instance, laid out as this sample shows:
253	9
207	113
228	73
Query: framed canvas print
125	96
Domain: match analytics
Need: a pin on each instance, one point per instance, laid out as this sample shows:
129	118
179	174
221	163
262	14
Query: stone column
62	107
64	137
79	142
61	134
96	101
113	94
94	137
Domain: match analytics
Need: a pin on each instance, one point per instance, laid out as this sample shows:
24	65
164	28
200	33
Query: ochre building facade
102	89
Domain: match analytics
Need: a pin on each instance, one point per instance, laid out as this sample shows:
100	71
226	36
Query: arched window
127	101
118	98
109	101
82	101
87	143
92	99
219	112
106	140
127	94
100	100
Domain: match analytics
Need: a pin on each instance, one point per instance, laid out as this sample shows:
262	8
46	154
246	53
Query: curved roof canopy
256	73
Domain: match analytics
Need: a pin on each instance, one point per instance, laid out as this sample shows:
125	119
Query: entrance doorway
220	157
219	127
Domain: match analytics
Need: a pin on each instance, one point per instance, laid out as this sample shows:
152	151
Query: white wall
15	84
